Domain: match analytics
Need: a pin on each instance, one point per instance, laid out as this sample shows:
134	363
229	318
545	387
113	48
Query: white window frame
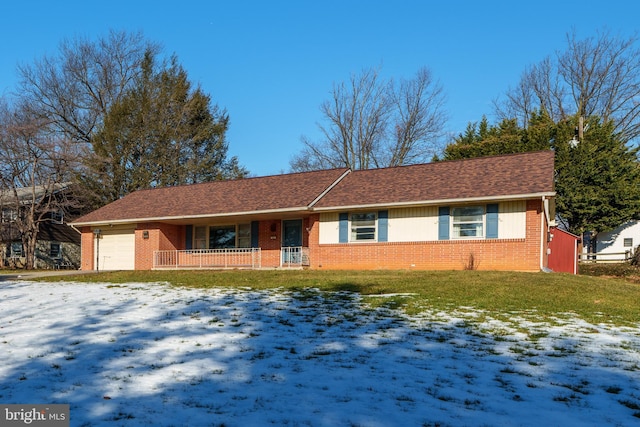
355	227
202	235
455	224
627	242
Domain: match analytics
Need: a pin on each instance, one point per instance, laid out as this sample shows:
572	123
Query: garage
116	249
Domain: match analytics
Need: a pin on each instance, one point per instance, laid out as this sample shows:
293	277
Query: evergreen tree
598	178
161	133
507	137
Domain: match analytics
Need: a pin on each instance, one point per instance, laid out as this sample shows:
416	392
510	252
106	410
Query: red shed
563	251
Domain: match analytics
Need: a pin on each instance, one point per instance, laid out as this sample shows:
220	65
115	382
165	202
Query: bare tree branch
596	76
371	123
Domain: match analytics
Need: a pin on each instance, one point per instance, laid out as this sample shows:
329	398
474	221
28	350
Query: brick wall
87	261
270	240
154	236
483	254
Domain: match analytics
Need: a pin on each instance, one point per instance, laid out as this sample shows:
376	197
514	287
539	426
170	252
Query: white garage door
117	249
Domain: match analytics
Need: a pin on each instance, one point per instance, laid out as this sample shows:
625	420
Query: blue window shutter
443	223
255	229
189	237
383	226
343	232
492	221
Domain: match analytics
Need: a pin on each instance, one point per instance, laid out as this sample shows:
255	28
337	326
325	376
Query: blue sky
272	63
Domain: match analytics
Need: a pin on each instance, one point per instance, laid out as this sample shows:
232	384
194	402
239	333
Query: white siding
420	224
413	224
329	231
512	220
613	241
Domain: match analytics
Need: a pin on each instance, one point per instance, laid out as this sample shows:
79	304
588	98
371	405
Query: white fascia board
439	202
190	217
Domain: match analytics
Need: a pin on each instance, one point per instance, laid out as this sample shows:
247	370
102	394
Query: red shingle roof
484	177
278	192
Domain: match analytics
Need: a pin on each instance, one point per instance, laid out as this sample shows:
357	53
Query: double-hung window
363	227
467	222
244	235
54	250
200	237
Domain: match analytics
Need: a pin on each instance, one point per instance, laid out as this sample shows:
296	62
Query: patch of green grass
544	296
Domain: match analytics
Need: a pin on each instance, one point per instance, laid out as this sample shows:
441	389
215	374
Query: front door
292	241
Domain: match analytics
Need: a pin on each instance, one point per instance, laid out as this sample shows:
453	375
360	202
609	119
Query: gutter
190	217
437	202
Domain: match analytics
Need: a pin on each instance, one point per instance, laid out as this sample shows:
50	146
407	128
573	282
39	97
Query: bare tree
597	76
373	123
35	169
74	90
356	119
419	118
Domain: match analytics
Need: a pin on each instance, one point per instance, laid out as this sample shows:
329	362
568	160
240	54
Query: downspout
545	219
74	227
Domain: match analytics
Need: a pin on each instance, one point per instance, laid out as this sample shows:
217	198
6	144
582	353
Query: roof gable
483	177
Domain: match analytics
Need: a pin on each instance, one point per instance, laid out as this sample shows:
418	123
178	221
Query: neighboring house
615	245
57	246
490	213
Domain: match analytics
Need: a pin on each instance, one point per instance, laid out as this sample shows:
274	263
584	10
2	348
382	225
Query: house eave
187	218
439	202
310	209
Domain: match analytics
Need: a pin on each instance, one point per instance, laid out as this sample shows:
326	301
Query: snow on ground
149	354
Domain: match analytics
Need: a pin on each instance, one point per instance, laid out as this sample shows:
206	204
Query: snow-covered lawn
149	354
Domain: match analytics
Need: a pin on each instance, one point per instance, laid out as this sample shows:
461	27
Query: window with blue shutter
443	223
343	228
492	221
383	225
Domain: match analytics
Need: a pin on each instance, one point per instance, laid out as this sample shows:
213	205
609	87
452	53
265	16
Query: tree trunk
635	259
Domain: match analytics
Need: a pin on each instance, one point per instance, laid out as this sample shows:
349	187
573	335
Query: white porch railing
208	258
295	256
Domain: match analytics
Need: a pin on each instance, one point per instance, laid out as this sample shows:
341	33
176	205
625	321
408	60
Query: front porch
235	258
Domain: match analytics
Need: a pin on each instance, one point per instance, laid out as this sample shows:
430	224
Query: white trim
189	217
311	209
438	202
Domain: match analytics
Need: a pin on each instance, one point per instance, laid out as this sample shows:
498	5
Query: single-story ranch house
490	213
